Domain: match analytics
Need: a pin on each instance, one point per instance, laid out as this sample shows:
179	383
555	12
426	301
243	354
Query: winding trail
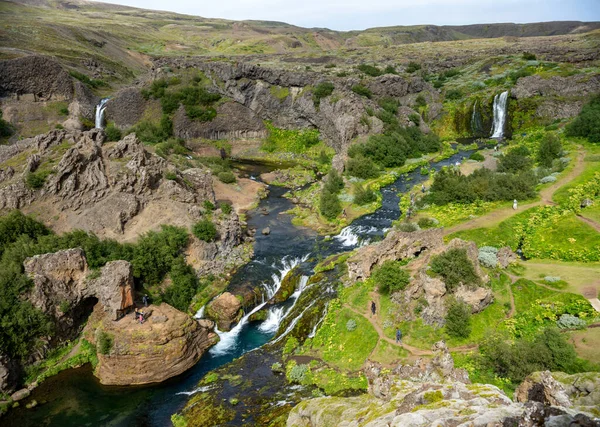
589	222
496	216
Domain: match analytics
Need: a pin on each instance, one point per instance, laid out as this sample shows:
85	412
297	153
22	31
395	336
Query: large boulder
126	108
478	298
225	310
9	374
39	77
167	344
63	289
542	387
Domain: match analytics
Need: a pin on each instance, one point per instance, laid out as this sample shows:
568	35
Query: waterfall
276	314
351	235
200	313
476	124
100	112
228	340
499	114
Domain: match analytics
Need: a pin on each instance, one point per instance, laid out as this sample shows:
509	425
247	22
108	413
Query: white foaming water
314	329
228	340
197	390
276	314
293	323
499	114
350	236
100	112
200	313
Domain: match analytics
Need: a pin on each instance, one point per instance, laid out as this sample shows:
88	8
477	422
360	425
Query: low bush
88	81
458	319
363	196
113	133
361	167
297	373
105	342
208	205
408	227
548	179
456	268
487	259
227	177
454	94
415	118
205	230
36	180
329	205
370	70
529	56
587	123
362	91
153	133
390	277
477	156
568	321
226	208
412	67
322	90
420	101
427	223
351	325
334	183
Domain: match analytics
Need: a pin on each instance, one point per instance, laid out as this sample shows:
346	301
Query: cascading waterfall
276	314
228	340
499	114
349	236
476	123
100	112
200	313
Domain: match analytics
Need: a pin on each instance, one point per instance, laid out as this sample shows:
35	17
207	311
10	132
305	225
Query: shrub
420	101
455	267
458	319
529	56
568	321
6	128
552	279
88	81
329	205
362	91
548	179
389	104
363	196
153	133
323	158
227	177
201	114
205	230
36	180
334	183
105	342
226	208
15	225
516	160
351	325
322	90
361	167
408	227
587	123
370	70
452	72
113	133
277	367
390	277
487	259
427	223
549	150
184	285
208	205
454	94
412	67
297	373
477	156
415	118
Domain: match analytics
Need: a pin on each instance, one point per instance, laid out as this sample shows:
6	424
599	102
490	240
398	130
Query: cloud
361	14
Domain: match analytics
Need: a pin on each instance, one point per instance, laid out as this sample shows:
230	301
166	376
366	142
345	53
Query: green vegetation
477	156
412	67
370	70
322	90
93	83
390	277
458	319
226	208
205	230
227	177
329	203
281	93
587	123
6	128
153	133
362	91
363	196
550	149
36	180
184	285
294	141
105	342
455	267
113	133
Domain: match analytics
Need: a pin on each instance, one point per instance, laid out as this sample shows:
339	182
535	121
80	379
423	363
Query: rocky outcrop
35	77
397	245
9	374
478	298
506	257
225	310
233	121
167	344
126	108
63	289
542	387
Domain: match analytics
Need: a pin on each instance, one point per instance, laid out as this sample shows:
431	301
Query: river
76	398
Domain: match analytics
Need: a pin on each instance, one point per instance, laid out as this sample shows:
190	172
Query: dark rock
9	374
126	108
41	77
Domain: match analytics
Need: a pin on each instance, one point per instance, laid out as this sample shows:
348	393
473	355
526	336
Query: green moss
281	93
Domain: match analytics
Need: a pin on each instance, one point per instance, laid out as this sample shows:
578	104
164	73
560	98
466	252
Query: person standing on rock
398	336
373	308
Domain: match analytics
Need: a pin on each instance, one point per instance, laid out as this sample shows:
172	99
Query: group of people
398	331
140	315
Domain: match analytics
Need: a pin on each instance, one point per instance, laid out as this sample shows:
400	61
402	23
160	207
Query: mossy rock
288	285
259	316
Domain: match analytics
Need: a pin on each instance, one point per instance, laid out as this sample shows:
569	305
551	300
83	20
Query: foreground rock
430	394
167	344
225	310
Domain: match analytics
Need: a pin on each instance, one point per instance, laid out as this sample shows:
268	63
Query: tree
587	123
455	267
363	196
334	183
391	277
329	205
458	319
205	230
516	160
550	149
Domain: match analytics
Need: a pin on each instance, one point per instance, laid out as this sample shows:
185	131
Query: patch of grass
389	354
281	93
587	343
526	292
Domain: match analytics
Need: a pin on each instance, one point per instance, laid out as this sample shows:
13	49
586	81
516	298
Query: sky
362	14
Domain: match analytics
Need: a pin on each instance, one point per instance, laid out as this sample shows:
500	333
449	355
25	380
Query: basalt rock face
167	344
63	290
9	374
38	76
233	121
126	108
431	394
397	245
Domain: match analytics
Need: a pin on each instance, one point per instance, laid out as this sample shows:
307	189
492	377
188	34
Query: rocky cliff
167	344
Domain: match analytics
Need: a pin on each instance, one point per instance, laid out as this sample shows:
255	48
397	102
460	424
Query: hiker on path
398	336
145	300
423	188
373	308
515	204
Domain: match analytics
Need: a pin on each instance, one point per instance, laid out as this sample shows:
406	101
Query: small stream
75	397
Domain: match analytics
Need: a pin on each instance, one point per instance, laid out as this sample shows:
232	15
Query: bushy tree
549	150
361	167
587	123
184	285
516	160
322	90
334	183
329	204
458	319
363	196
455	267
391	277
205	230
15	225
113	133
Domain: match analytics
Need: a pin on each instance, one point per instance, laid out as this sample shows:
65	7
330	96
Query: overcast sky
361	14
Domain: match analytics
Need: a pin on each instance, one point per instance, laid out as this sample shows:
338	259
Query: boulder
9	374
266	231
20	394
167	344
397	245
506	256
225	310
63	290
542	387
478	298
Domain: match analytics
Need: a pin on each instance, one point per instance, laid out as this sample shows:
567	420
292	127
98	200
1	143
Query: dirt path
589	222
499	215
412	350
